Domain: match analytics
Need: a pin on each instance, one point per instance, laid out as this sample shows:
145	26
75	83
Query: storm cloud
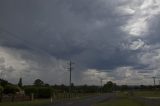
111	39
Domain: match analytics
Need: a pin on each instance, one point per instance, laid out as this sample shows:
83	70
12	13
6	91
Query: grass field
141	93
147	93
26	103
120	102
121	99
125	99
42	102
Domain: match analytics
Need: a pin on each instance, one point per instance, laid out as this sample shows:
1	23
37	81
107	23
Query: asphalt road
89	101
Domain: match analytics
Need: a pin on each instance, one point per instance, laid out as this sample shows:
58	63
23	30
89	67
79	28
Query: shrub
29	90
3	82
39	92
11	89
1	89
44	92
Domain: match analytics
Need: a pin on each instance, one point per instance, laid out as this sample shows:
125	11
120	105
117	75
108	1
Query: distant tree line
44	90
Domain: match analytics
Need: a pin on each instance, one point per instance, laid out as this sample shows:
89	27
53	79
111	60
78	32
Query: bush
1	89
11	89
3	82
44	92
39	92
29	90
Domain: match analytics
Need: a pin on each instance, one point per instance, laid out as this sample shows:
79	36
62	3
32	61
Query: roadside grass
42	102
140	93
124	101
147	93
129	98
27	103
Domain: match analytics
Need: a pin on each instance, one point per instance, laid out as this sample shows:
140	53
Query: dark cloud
85	31
153	37
63	29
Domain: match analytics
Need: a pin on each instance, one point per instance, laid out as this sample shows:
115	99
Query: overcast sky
117	40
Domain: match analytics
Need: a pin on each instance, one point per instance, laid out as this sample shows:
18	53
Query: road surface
89	101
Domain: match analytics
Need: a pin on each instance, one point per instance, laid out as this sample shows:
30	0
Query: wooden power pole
70	68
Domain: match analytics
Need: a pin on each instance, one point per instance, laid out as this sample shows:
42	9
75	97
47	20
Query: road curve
89	101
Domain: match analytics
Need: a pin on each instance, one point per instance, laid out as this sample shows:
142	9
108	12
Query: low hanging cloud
106	37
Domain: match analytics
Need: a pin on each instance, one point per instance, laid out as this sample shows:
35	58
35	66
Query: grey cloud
2	60
153	37
86	31
65	28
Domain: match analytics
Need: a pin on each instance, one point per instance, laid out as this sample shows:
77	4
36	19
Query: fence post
32	96
54	97
1	96
51	98
13	97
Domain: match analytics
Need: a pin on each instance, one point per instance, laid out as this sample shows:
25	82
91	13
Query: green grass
125	99
26	103
42	102
141	93
120	102
147	93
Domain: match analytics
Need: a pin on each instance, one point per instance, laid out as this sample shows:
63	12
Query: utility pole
154	80
70	76
101	80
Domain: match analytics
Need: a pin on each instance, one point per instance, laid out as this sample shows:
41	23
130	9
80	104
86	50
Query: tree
20	83
109	86
4	82
38	82
11	89
72	85
38	91
124	87
1	91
